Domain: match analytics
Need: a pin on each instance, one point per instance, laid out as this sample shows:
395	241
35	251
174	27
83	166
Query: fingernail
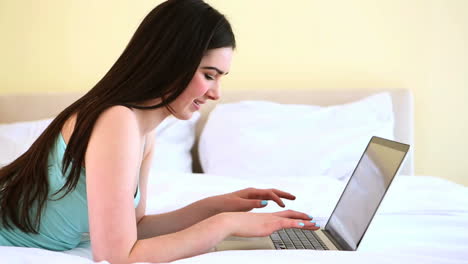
301	224
313	222
317	225
264	202
310	216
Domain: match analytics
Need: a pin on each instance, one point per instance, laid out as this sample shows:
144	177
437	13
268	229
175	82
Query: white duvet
422	219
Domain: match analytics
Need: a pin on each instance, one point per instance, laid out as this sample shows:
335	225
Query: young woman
89	169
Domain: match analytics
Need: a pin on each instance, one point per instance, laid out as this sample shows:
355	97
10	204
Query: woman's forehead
219	58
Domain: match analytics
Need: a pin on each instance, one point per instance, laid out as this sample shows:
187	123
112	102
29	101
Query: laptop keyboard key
294	238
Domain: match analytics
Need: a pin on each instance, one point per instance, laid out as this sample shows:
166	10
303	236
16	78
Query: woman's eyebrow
214	68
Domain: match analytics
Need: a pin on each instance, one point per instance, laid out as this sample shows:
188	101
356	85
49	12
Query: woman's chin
184	116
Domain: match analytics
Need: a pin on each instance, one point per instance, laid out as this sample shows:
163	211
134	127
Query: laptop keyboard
295	238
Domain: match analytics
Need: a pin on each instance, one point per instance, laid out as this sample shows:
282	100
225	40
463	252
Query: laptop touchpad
245	243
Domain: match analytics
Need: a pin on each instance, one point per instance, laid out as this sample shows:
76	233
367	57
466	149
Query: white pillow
174	139
16	138
259	138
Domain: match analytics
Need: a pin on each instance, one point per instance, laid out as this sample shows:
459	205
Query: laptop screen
365	190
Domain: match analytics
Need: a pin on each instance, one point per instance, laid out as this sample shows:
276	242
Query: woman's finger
309	225
293	214
266	194
256	193
277	199
283	194
298	223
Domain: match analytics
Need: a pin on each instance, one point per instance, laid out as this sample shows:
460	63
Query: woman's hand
248	199
263	224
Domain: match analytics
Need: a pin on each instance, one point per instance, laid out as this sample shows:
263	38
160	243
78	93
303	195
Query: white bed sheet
423	219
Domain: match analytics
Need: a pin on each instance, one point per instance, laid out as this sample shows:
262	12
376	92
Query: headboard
28	107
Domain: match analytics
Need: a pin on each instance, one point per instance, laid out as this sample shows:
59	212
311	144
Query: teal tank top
64	222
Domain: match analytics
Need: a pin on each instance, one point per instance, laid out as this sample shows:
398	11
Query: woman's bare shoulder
115	145
117	124
118	112
115	116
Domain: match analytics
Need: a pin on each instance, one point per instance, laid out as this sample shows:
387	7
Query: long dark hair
158	62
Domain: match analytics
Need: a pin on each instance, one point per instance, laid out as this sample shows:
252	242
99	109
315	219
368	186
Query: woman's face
204	85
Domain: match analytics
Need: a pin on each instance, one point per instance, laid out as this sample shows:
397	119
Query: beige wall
56	45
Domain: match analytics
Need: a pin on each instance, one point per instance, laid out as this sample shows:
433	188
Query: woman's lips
197	104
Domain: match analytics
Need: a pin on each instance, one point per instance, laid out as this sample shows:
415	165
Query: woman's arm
112	160
240	201
205	235
161	224
197	239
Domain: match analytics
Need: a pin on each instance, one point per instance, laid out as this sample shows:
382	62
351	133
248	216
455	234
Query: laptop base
252	243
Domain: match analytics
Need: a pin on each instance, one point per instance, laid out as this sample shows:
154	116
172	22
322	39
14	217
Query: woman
88	171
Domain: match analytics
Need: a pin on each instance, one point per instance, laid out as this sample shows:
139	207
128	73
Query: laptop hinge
330	237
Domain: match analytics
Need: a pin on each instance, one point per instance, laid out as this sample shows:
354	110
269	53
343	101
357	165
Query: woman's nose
214	93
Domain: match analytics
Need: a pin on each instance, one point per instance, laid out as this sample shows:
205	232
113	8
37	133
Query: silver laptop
353	213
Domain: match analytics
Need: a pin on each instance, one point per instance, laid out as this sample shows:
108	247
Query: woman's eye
209	77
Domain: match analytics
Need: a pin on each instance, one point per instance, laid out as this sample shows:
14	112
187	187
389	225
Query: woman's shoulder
116	133
114	116
118	112
117	117
117	124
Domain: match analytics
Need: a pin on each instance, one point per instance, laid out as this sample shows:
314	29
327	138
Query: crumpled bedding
423	219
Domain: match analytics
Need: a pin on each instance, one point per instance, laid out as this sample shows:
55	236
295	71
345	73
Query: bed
304	142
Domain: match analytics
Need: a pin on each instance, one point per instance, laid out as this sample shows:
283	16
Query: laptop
359	201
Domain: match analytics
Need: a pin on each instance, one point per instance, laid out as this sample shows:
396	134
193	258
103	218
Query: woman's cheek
200	85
